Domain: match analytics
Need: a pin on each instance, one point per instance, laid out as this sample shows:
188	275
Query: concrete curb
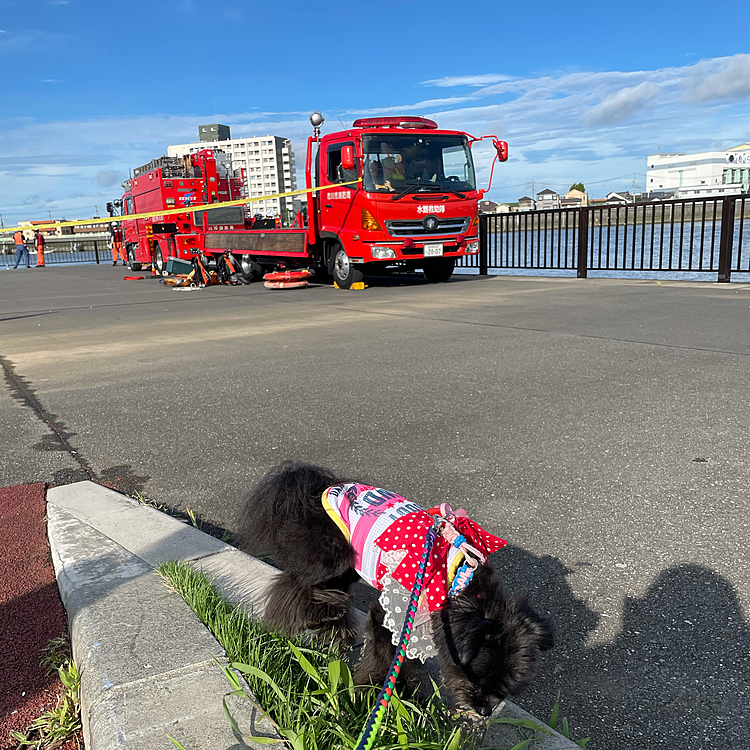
146	661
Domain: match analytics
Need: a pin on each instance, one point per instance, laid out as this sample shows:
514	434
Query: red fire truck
396	192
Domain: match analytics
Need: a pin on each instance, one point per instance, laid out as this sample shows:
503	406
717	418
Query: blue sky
581	93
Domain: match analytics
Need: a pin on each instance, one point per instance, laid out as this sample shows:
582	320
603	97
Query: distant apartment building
704	174
268	162
546	199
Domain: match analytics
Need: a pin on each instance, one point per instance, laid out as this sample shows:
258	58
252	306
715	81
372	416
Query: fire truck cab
415	205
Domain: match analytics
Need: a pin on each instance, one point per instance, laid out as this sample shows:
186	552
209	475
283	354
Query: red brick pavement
31	613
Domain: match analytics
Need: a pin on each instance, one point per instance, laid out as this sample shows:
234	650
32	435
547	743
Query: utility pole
50	214
2	223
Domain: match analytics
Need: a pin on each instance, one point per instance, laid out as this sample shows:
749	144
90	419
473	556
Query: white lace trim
394	598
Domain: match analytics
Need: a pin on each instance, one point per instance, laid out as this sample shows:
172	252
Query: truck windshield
417	161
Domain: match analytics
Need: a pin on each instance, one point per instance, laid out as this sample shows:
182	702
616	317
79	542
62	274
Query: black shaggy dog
488	642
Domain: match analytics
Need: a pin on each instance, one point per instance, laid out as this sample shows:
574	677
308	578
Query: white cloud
722	78
478	80
591	126
622	104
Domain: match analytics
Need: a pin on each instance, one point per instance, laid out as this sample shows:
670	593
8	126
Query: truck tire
133	264
439	270
159	264
344	273
247	269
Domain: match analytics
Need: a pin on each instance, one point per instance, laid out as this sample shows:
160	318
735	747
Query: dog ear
465	623
472	635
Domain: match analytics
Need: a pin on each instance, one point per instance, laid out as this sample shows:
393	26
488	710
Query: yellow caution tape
173	211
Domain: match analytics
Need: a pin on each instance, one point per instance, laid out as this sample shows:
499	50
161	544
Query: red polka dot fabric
409	532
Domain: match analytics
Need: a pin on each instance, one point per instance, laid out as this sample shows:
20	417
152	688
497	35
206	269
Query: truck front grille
414	228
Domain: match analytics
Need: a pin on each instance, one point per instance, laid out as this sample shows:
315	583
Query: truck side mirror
347	158
502	150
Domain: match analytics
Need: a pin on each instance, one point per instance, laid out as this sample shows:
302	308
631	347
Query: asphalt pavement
599	425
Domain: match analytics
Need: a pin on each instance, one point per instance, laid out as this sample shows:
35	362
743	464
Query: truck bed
260	242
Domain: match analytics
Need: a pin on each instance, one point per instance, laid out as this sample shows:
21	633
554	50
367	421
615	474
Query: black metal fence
700	235
59	250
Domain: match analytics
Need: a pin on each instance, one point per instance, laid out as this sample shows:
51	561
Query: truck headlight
472	247
382	253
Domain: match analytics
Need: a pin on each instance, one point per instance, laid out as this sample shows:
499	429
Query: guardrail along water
701	235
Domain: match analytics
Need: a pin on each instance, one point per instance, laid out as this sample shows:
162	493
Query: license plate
433	249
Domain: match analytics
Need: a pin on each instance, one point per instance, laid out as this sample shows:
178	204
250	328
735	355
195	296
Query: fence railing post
583	243
483	249
726	239
96	251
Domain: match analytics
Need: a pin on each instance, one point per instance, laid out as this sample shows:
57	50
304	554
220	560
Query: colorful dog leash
473	557
370	730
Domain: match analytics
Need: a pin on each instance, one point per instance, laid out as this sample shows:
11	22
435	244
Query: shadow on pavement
677	675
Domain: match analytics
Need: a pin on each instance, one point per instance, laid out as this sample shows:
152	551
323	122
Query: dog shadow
677	674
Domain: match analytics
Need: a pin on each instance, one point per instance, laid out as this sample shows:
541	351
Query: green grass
564	729
63	723
307	692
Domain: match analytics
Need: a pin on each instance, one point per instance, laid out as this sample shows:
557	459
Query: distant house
490	207
547	199
52	231
574	199
625	197
526	204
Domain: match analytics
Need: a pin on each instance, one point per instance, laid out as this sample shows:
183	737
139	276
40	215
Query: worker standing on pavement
39	241
21	250
115	238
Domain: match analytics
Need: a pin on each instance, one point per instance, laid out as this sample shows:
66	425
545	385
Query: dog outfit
387	532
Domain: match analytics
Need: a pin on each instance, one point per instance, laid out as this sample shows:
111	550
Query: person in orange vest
115	238
39	240
21	250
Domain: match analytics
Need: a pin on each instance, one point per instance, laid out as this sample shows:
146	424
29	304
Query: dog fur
488	642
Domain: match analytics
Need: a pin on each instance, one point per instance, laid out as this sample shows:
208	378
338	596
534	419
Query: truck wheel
159	264
344	272
438	270
248	269
133	264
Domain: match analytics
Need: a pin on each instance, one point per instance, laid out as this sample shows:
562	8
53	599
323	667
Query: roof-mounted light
317	120
418	123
